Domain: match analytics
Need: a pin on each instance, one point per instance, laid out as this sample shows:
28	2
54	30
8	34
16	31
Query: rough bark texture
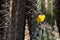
4	19
18	20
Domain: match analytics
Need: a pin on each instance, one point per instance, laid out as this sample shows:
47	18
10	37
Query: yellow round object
40	18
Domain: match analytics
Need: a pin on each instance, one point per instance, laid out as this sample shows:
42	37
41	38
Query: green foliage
48	31
39	5
50	15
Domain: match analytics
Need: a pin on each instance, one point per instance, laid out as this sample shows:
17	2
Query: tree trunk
57	11
18	20
5	19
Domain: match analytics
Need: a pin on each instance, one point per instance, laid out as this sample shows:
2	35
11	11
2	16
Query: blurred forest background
51	25
48	8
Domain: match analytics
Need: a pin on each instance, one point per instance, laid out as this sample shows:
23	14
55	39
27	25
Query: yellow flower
40	18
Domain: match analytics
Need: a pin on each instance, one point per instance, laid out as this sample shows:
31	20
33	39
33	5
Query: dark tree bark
57	11
4	19
18	20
